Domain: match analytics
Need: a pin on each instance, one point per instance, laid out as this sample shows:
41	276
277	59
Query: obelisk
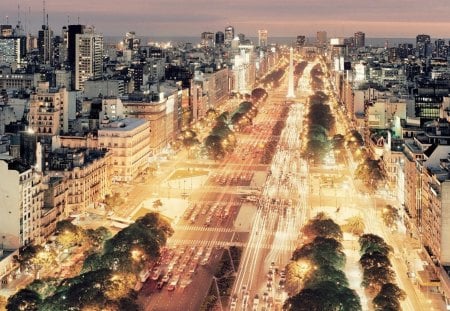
291	91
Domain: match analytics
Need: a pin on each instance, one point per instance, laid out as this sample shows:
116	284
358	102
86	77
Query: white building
129	142
22	203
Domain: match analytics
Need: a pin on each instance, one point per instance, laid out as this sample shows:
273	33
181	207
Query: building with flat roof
129	143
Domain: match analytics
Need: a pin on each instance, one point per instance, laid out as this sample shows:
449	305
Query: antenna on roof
43	12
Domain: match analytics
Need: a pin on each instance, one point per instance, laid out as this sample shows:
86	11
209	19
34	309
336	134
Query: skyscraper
229	35
262	37
88	57
220	38
423	45
301	40
73	30
45	45
360	39
207	39
321	38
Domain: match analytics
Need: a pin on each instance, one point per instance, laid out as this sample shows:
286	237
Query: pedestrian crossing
204	228
224	244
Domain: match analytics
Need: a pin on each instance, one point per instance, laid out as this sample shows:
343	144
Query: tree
24	300
26	255
371	173
326	273
113	201
354	225
296	274
375	277
214	147
324	296
374	259
390	216
44	287
389	298
259	94
157	204
322	251
322	226
370	243
68	234
96	237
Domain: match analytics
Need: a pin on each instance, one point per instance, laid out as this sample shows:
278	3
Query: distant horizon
381	19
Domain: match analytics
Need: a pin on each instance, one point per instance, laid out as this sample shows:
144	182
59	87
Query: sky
282	18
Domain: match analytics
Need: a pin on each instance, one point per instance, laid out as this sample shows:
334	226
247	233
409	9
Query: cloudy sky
377	18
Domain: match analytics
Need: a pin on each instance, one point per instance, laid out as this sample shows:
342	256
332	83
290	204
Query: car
160	285
156	272
165	278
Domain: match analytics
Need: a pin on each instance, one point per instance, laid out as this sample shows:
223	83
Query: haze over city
403	18
224	155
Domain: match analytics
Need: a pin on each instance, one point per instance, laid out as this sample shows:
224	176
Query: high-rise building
359	39
262	37
441	50
321	38
229	35
131	42
12	50
88	57
72	31
301	41
207	39
45	45
423	45
220	38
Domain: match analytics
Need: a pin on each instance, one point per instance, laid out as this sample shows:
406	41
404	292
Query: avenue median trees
314	277
378	274
389	297
322	226
390	216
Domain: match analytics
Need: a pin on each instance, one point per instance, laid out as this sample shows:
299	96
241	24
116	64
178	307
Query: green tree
26	255
44	287
213	144
374	278
390	216
389	298
326	273
370	243
96	237
321	252
24	300
324	296
354	225
374	259
322	226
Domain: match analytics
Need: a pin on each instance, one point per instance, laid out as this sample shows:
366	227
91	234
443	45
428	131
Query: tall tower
262	38
229	35
360	39
88	57
291	91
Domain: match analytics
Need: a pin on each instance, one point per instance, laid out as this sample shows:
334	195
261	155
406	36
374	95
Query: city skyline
180	18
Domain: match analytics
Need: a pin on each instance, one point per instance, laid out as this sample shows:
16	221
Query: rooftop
123	125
